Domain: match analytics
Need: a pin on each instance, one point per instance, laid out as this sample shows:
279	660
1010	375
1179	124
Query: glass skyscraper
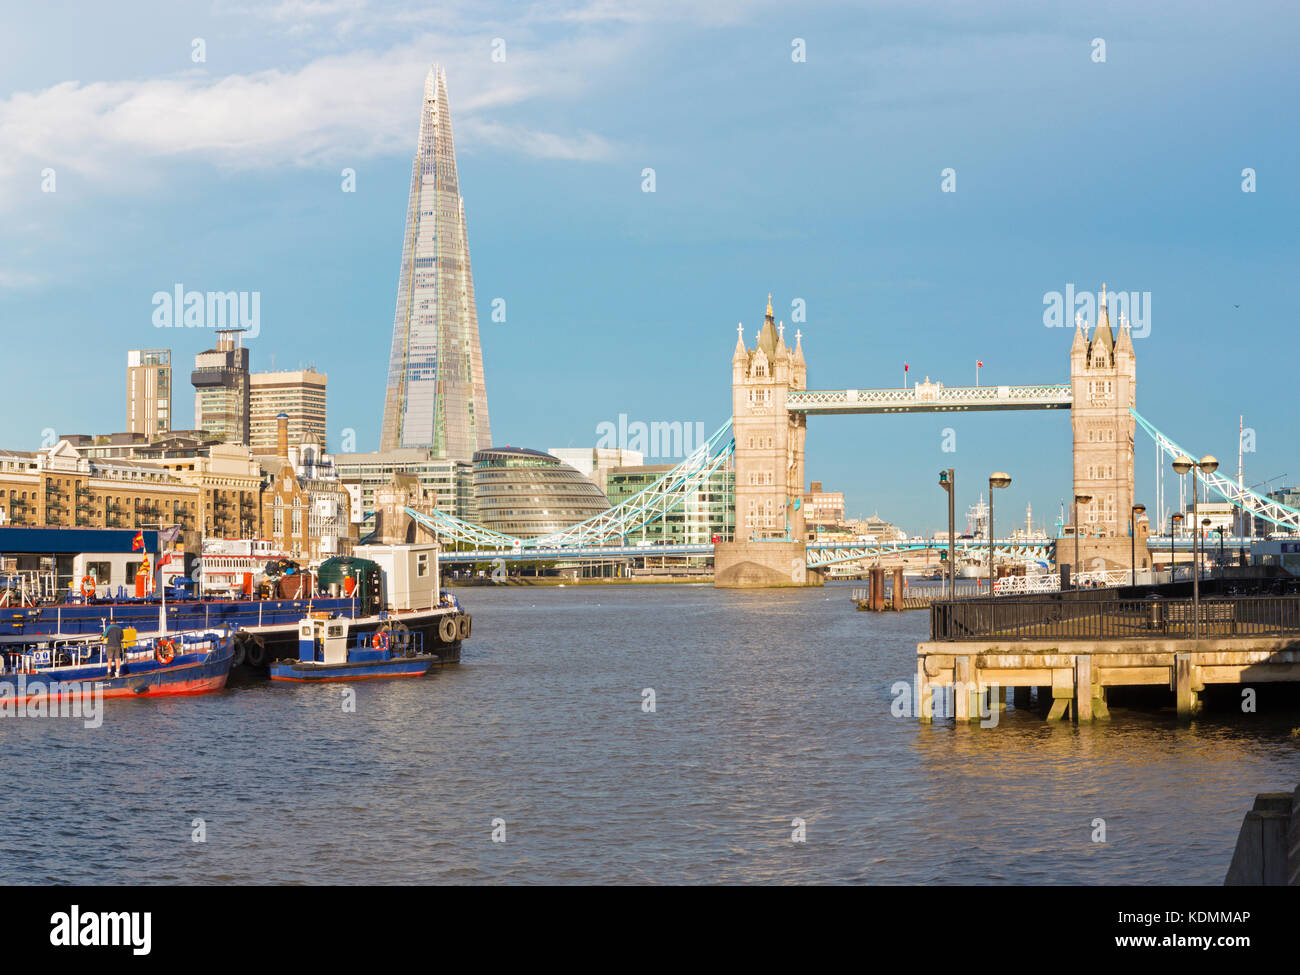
436	396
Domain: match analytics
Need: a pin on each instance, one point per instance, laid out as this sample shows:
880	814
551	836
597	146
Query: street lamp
996	480
948	481
1172	520
1208	464
1078	500
1204	537
1138	509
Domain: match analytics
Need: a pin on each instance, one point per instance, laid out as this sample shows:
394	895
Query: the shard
436	394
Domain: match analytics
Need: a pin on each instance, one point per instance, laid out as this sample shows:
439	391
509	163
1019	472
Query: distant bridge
929	398
607	534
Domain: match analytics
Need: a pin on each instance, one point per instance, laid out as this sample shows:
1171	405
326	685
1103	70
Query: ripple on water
771	707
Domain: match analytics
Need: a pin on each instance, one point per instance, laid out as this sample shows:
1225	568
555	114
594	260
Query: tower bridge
764	444
771	405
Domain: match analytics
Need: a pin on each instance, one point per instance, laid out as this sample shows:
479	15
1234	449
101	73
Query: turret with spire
1103	383
769	457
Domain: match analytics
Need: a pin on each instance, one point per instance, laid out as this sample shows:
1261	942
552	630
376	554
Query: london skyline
619	301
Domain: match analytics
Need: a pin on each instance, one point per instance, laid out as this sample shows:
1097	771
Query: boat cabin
323	640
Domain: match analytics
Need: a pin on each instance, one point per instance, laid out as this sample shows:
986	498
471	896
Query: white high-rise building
436	396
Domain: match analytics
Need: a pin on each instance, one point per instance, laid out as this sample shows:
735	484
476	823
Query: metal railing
1093	616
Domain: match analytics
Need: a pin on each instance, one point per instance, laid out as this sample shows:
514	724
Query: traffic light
945	479
943	555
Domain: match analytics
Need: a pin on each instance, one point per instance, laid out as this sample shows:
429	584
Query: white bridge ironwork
611	527
1243	497
930	397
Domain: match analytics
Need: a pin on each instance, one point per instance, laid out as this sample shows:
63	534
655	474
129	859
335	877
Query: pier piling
1083	687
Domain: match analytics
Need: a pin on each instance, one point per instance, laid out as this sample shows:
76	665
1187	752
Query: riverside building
528	493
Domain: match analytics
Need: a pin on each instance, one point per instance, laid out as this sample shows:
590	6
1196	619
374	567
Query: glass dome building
527	493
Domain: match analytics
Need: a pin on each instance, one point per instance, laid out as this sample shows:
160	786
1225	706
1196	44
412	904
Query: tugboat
324	653
163	666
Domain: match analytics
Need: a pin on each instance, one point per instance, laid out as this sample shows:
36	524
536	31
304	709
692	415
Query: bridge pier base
762	564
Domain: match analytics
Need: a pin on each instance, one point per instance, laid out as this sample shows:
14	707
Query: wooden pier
1070	652
878	597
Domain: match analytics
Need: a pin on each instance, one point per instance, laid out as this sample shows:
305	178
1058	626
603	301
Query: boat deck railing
66	654
400	642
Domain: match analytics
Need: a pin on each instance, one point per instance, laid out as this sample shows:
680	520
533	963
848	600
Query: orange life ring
380	640
88	586
164	651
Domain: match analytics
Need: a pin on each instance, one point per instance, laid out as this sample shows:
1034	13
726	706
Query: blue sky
817	180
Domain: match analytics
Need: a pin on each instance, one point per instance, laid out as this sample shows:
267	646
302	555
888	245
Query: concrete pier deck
1073	648
1077	673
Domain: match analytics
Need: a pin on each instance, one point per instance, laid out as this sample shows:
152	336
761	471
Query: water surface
771	706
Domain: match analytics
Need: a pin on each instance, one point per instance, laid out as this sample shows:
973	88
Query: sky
146	145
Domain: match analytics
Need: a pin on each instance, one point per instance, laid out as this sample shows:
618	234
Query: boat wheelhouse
331	648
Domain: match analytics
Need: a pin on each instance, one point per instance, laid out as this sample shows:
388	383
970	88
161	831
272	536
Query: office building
436	395
446	485
595	463
149	392
527	493
705	514
822	510
221	389
299	395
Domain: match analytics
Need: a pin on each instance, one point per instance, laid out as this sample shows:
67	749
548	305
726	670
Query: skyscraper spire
436	394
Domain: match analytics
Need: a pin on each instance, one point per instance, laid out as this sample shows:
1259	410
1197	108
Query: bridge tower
769	547
1103	379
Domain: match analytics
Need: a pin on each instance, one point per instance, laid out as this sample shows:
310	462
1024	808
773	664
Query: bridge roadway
820	554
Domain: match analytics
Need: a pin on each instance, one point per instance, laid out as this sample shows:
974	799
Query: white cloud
13	278
543	145
333	110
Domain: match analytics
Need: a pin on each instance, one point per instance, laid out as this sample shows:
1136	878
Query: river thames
770	707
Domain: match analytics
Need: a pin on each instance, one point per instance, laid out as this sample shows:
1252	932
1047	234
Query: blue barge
397	584
167	666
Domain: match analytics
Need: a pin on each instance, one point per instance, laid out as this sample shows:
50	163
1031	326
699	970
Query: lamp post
1078	500
948	481
1206	465
1219	532
1172	525
996	480
1138	509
